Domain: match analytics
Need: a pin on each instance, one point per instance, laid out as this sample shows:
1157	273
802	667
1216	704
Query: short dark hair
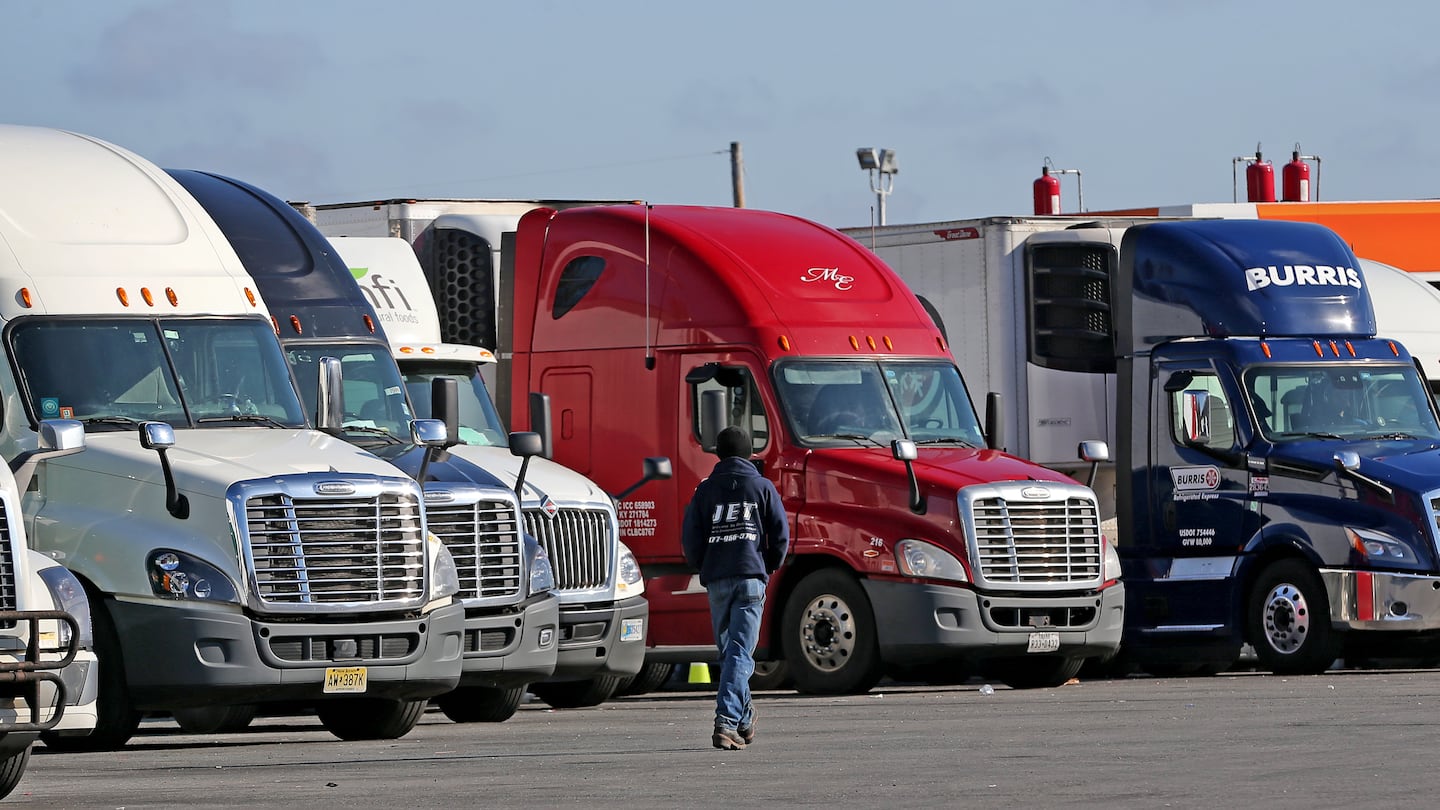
733	442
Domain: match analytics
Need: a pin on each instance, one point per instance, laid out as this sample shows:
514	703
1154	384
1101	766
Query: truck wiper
858	438
1316	434
372	431
120	421
244	417
945	440
1396	436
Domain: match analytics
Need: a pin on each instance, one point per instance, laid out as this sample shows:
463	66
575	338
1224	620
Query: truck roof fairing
1228	278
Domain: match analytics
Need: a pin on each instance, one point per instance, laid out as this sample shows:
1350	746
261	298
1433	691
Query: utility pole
737	174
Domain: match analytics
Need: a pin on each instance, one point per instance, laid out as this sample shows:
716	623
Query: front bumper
605	640
924	622
1384	601
179	654
512	648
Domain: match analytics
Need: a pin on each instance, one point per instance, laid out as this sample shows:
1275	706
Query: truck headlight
542	576
445	579
1111	570
69	595
629	580
1380	548
917	558
177	575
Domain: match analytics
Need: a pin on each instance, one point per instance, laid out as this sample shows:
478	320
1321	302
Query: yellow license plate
345	679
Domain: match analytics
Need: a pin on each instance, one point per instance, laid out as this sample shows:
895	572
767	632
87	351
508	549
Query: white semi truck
231	555
603	609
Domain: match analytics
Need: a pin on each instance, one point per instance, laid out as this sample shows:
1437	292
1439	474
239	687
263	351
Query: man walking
736	534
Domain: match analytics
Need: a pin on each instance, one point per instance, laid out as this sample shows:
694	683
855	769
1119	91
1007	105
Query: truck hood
207	461
947	468
495	467
1410	465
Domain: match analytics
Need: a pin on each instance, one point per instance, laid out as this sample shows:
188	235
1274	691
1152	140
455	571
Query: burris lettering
1287	275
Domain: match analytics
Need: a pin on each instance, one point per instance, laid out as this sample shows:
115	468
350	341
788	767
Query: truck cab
603	609
230	555
506	580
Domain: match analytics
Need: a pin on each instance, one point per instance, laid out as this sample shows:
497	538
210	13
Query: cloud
173	50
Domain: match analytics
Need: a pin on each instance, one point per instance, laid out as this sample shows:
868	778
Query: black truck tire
577	694
1289	620
480	704
117	718
370	718
829	636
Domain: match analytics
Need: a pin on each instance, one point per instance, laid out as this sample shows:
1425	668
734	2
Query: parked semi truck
230	554
1211	350
603	609
914	544
48	676
506	581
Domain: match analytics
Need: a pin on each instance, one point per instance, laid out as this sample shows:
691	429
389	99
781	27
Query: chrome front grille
579	544
1029	535
336	550
484	538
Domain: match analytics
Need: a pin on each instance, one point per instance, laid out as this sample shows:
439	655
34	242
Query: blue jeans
735	607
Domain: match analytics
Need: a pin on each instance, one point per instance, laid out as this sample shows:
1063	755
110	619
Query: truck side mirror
160	436
655	468
1093	451
712	416
906	451
526	445
330	396
58	437
445	406
540	421
994	422
431	435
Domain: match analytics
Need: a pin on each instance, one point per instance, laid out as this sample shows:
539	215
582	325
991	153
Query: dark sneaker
727	738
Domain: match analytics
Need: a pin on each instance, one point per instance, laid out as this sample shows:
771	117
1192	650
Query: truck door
1202	511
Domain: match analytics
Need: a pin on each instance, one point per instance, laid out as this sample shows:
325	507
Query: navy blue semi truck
1283	480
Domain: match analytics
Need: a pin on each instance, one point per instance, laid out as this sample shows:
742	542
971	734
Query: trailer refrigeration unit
231	556
1278	461
511	611
603	610
914	545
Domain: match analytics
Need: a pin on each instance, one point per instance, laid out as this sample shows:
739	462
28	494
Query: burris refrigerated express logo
1300	275
1194	483
830	275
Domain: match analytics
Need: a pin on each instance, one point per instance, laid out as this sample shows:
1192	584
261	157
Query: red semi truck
915	545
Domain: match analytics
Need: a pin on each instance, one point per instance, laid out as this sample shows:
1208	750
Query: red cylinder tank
1047	193
1295	180
1260	181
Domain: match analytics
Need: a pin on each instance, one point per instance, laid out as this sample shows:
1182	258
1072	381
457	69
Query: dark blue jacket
735	526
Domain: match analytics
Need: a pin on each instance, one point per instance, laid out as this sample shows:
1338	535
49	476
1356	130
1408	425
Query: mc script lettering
829	274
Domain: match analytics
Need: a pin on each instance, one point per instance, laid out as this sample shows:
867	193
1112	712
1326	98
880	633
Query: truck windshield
1340	401
832	402
374	397
113	373
479	422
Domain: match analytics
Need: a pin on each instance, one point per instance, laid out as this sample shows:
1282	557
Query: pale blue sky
337	100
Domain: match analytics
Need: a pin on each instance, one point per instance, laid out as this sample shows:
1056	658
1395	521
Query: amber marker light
172	297
888	345
870	341
249	296
369	323
1350	348
1334	349
295	324
940	342
275	324
784	343
1265	347
406	350
854	344
123	296
145	294
25	297
1319	352
1393	350
427	350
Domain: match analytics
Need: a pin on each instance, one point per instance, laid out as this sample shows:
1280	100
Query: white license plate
1043	643
632	630
340	680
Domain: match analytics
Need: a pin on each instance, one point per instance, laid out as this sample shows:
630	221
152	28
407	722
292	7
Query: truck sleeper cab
505	577
603	609
230	554
937	552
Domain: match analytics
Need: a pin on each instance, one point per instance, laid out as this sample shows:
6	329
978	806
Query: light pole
882	162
